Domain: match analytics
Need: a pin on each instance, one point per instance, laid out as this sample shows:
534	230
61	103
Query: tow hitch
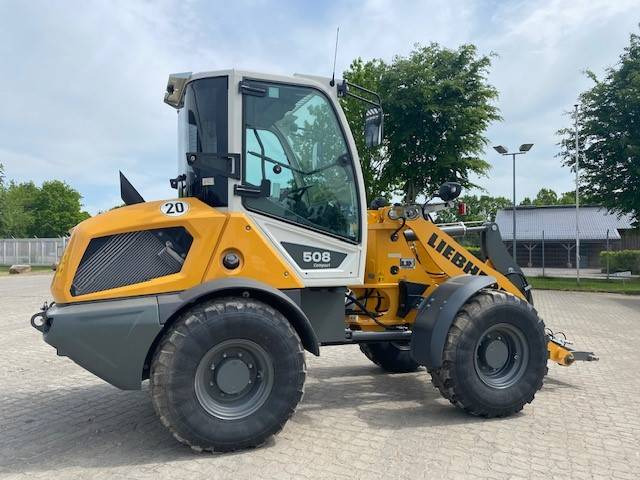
562	354
39	320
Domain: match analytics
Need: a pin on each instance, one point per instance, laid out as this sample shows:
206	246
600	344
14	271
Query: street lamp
524	148
576	106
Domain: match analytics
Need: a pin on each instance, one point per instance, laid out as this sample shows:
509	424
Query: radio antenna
335	55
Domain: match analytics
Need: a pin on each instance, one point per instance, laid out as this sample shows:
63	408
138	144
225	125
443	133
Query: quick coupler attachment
39	320
561	353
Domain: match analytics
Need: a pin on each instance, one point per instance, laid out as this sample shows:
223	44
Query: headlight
411	212
408	212
396	212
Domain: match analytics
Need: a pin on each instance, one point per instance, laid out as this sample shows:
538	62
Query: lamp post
577	113
524	148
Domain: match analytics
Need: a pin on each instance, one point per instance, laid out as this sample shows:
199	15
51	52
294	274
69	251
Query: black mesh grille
129	258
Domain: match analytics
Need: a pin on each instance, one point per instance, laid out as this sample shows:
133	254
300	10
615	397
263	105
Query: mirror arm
362	99
363	90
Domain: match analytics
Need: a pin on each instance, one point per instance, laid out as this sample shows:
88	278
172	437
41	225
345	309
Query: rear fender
171	305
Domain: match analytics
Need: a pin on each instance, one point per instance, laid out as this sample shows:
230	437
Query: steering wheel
296	193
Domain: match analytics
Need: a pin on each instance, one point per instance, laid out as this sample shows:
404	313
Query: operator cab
280	150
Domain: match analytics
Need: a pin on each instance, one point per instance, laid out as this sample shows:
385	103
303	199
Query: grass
627	285
4	269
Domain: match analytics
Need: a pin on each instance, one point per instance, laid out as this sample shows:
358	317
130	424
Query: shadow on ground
99	426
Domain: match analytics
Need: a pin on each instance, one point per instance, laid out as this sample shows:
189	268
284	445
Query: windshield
293	140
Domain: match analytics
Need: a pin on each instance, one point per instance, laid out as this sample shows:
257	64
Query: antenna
335	54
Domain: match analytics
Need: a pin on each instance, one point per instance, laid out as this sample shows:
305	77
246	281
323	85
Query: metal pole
577	200
607	255
543	253
514	208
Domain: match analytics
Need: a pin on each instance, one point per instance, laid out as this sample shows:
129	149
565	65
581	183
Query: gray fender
171	304
436	314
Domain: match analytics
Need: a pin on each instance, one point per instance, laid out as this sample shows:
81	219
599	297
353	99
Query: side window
263	142
293	140
202	127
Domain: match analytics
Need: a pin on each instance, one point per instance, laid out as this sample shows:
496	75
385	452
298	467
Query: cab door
300	163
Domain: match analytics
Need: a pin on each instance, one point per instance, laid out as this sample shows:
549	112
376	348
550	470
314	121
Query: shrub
476	251
622	261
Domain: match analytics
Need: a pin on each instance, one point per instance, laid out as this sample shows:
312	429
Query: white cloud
83	81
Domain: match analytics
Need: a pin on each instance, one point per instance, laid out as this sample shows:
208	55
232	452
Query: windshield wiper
341	161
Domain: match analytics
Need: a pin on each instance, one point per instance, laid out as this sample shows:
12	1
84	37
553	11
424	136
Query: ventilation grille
129	258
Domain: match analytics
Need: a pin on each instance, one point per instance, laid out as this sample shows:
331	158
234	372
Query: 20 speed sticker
174	208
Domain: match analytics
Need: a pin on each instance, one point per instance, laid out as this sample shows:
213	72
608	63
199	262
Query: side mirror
175	89
449	191
373	127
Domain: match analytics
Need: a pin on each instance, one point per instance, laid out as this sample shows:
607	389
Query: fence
31	251
546	256
545	253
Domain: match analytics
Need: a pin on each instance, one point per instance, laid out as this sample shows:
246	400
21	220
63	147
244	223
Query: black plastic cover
436	314
128	258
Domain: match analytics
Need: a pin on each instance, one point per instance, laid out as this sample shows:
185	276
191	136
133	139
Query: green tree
437	104
546	196
569	198
367	75
18	212
47	211
57	209
482	208
609	135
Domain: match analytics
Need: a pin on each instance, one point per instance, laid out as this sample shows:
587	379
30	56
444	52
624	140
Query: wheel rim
501	355
234	379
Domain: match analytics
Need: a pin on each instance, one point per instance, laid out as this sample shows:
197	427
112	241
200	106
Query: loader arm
411	264
453	259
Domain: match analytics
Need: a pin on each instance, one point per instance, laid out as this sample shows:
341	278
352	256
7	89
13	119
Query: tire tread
160	370
445	379
389	358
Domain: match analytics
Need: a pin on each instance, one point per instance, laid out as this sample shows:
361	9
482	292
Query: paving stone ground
59	421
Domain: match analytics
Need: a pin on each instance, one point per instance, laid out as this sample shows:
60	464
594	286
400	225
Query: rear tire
394	357
495	356
227	375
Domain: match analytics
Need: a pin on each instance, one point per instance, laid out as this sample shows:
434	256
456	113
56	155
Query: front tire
394	357
495	356
227	375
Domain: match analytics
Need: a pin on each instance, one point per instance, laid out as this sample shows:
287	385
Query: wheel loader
269	251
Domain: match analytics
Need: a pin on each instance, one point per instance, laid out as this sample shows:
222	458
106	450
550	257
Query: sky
83	81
